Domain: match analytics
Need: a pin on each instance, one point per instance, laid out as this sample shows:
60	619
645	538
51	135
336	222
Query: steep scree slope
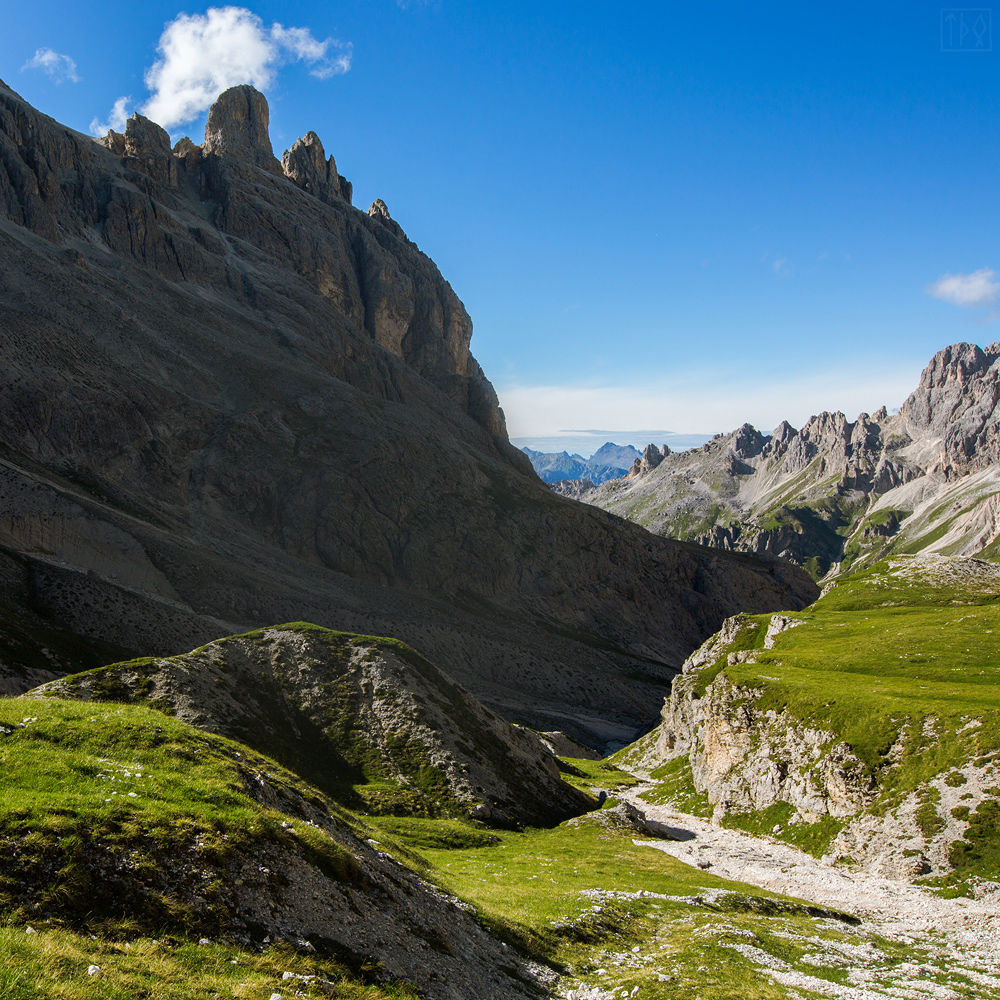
229	398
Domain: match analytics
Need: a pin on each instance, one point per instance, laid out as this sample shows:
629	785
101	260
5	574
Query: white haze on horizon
698	404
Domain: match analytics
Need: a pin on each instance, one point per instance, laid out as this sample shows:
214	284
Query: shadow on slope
366	719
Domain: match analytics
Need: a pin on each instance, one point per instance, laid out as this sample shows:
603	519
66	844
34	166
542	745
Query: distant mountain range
610	461
838	494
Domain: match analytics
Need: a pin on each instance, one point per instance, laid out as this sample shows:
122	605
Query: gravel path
963	931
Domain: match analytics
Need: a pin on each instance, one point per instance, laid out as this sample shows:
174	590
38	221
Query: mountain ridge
836	493
608	462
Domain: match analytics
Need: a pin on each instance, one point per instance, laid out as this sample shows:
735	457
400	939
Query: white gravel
962	933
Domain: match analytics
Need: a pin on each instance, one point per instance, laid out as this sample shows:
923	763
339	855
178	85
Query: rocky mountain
838	494
365	719
618	456
229	398
610	461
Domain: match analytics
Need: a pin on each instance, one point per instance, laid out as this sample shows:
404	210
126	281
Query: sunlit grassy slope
583	897
886	650
92	790
901	662
78	776
54	963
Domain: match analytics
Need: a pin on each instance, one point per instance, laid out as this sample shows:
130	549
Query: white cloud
56	65
200	55
703	402
978	289
116	119
329	57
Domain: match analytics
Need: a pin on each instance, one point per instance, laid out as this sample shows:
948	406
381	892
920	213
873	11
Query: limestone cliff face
229	398
839	493
745	714
746	759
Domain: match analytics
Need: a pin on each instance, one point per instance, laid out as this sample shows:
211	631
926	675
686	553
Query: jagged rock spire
306	165
379	211
237	127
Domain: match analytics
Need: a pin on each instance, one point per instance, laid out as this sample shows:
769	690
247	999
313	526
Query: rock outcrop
227	401
365	719
890	760
306	165
237	128
745	759
839	493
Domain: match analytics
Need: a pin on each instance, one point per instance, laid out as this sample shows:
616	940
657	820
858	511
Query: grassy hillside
99	801
366	719
123	833
901	664
54	963
136	843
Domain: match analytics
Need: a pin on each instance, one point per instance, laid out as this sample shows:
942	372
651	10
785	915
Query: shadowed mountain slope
229	398
365	719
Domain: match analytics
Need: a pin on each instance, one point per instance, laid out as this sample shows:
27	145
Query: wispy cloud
703	401
200	55
328	58
979	289
56	65
779	263
116	119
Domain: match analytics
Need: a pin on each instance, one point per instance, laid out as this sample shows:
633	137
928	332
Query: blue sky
659	215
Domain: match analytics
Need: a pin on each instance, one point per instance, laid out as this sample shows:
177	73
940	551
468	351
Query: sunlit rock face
839	494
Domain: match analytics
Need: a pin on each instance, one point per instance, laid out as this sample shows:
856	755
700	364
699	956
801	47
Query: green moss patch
675	787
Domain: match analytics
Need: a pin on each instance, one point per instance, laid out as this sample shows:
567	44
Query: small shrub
928	820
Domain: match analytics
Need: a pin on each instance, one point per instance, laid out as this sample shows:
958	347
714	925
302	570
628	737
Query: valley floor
955	942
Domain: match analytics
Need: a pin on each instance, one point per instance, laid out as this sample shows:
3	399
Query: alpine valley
310	686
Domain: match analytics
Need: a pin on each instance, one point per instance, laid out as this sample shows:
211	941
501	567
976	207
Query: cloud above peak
976	290
116	118
200	55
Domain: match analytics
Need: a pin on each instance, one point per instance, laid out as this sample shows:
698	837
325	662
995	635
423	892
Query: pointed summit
237	128
306	165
